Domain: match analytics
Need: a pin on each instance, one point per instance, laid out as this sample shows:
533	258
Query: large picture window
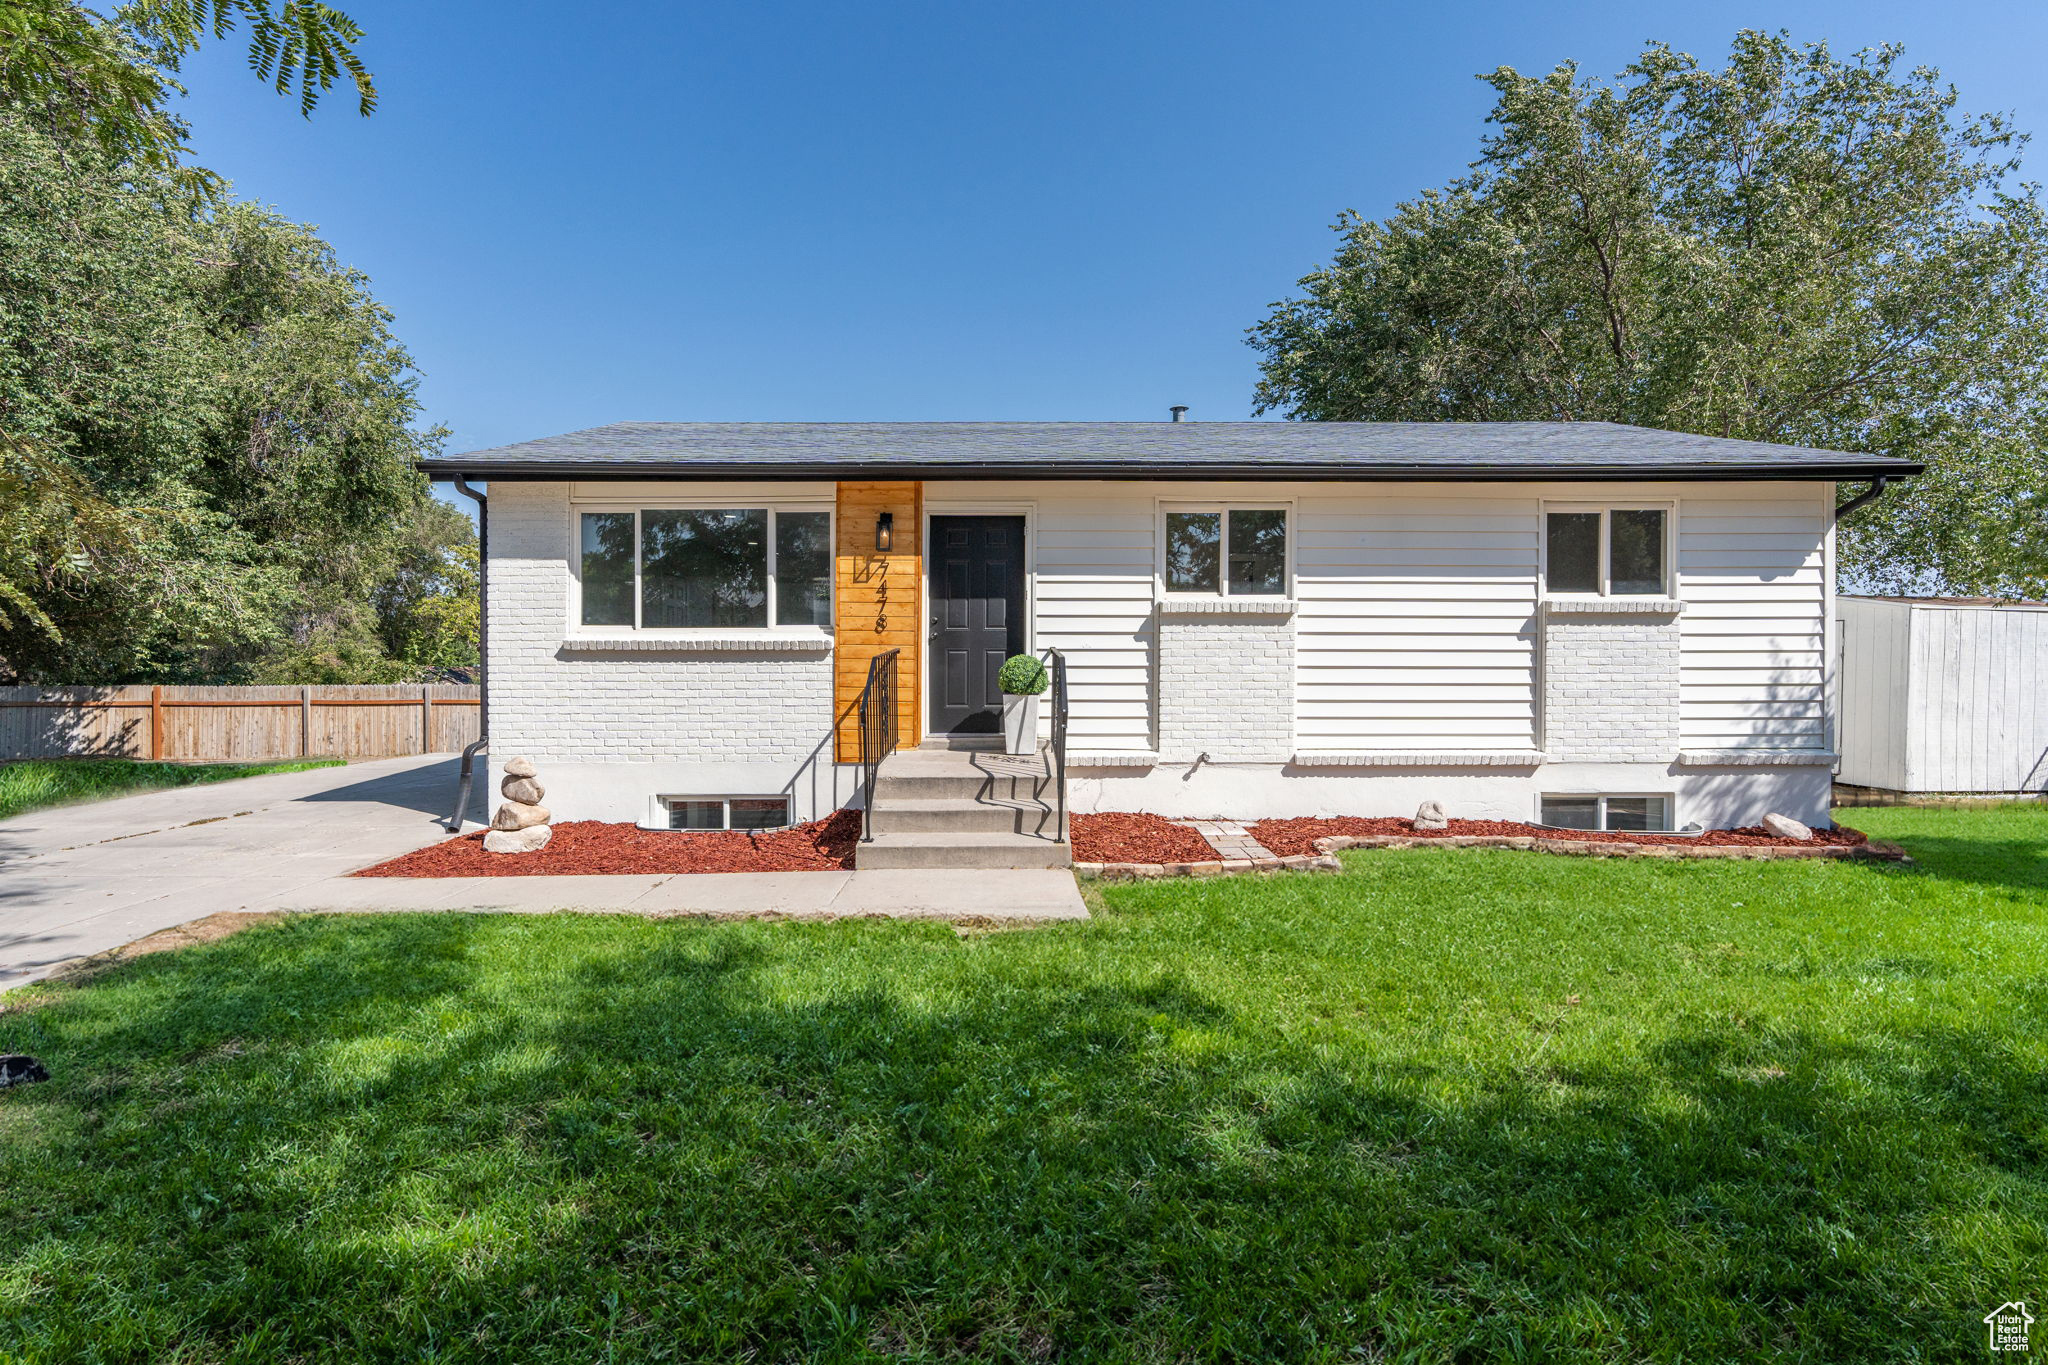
1233	552
1607	551
703	568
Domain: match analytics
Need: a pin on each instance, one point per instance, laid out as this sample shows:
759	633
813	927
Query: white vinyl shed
1943	694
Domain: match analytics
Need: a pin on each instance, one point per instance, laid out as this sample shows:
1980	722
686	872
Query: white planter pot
1020	724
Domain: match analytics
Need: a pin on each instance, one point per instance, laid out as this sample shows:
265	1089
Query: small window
1648	814
1610	552
734	812
1241	552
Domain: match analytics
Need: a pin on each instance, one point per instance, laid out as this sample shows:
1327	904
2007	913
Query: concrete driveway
77	880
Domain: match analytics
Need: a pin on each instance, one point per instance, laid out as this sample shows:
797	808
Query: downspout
483	650
1867	496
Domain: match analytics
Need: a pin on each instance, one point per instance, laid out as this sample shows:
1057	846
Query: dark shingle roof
1122	450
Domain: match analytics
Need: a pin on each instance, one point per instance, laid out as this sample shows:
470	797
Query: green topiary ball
1022	676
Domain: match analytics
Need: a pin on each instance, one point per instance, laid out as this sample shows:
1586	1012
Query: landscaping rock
519	815
529	840
524	790
519	767
20	1069
1785	827
1430	815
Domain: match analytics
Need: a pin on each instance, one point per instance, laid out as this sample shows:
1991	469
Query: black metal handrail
1059	733
877	715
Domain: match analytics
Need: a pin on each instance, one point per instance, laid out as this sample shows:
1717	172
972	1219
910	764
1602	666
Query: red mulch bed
1287	837
1128	837
586	847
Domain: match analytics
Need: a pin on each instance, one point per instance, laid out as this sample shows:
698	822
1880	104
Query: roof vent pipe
1177	409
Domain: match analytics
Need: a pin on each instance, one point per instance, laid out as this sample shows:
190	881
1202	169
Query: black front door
977	579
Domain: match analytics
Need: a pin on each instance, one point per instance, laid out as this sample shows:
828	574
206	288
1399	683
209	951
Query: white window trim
1668	589
771	505
1162	594
657	808
1669	799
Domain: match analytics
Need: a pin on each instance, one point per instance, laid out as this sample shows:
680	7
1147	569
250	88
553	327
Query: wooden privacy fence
212	724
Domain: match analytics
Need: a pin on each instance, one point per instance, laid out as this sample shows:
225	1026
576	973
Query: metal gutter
1867	496
611	471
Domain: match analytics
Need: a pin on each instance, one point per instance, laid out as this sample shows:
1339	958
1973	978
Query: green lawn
1449	1105
37	782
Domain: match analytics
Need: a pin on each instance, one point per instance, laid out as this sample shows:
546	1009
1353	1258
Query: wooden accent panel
877	605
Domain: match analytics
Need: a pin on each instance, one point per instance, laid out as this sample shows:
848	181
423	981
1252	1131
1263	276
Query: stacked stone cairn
521	824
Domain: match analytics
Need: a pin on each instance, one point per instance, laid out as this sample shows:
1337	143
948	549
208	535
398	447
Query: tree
428	605
104	403
231	393
1794	248
70	70
204	443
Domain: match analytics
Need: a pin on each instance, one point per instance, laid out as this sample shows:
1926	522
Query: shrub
1022	676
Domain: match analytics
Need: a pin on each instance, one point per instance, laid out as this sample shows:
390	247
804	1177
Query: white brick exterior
1416	659
1226	686
1610	684
608	728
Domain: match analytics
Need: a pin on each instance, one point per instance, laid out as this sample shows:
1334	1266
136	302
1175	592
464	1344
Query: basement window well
724	812
1642	814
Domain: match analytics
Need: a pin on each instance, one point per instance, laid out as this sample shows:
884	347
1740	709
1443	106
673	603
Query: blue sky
774	210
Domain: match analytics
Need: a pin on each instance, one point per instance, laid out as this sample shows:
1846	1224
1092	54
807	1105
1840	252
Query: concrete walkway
78	880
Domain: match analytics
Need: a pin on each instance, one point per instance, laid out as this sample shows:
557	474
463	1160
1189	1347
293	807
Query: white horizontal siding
1092	554
1752	569
1415	625
1416	619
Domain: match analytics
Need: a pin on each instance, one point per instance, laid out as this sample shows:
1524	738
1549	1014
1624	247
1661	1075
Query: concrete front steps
964	804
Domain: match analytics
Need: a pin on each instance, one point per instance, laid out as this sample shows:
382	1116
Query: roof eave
613	471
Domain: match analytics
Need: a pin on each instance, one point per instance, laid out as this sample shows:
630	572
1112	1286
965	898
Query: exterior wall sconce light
885	531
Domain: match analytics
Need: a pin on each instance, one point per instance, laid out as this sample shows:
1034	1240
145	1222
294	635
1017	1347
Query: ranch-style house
1573	623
